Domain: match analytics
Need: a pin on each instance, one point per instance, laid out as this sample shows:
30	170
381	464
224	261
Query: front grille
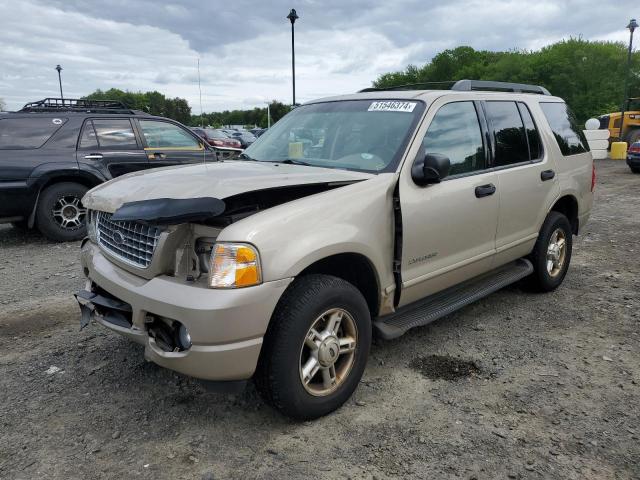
131	242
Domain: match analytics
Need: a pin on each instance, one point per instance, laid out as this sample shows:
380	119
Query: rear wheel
552	253
316	348
60	215
635	169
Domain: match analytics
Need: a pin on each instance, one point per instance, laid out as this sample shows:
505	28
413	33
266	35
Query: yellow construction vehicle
630	128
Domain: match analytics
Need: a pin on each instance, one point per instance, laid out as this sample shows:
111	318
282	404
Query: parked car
244	137
216	137
633	157
52	152
281	266
257	131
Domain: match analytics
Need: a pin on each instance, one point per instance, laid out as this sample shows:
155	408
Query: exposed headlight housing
91	226
234	265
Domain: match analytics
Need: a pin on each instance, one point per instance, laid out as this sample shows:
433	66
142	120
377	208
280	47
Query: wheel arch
354	268
568	206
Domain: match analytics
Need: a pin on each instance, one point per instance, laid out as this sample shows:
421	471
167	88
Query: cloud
244	47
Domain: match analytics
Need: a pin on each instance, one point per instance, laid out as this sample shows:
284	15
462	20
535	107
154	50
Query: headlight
234	265
91	226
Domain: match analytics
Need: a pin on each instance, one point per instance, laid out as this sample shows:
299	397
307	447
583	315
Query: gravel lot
518	385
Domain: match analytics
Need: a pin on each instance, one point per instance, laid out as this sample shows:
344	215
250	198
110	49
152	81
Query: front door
111	143
167	143
449	228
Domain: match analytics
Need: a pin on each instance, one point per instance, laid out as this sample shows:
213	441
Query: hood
218	180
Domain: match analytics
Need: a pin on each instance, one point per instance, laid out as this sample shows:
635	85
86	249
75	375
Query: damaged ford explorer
375	212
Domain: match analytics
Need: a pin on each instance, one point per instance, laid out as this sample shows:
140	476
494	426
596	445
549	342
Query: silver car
363	214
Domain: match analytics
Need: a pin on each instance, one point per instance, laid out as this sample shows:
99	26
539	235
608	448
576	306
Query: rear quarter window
569	136
27	133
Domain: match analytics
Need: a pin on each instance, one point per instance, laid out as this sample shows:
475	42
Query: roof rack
77	105
469	85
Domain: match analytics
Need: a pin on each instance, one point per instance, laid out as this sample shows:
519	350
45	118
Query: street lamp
268	114
632	26
59	69
293	16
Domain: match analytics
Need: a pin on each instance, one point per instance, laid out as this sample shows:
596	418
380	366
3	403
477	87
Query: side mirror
430	168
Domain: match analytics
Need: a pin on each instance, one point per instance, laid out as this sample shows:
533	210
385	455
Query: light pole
293	16
268	114
632	26
59	69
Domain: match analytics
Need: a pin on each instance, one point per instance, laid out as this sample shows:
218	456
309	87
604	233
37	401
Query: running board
448	301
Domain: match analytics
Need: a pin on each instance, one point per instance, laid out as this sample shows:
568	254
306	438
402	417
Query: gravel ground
517	385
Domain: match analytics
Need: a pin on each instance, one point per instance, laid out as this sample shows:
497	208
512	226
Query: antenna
204	150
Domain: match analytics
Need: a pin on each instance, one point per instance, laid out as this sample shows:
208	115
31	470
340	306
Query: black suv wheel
60	215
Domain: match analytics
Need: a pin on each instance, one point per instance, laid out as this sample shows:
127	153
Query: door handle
547	175
93	156
157	156
485	190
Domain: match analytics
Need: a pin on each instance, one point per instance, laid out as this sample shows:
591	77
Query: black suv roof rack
77	105
468	85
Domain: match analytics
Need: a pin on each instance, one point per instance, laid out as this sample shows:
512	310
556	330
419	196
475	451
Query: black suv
53	151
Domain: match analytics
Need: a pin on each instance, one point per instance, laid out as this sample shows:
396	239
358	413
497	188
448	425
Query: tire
59	215
548	273
635	169
279	376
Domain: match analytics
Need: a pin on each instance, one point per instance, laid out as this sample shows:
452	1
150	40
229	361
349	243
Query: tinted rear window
569	136
508	130
25	133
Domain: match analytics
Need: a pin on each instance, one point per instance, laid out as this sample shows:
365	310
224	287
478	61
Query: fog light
184	339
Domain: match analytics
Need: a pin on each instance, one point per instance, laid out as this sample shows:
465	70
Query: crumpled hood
219	180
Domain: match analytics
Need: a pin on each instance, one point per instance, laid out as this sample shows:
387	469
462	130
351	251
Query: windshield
363	135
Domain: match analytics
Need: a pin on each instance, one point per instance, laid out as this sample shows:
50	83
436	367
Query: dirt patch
444	367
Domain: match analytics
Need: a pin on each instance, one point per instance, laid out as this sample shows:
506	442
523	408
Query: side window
88	139
165	134
570	138
27	132
115	133
508	131
533	136
455	132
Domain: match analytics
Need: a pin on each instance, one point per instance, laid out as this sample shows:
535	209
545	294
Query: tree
255	116
588	75
2	105
154	103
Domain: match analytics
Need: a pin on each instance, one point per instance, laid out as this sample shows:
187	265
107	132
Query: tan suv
378	211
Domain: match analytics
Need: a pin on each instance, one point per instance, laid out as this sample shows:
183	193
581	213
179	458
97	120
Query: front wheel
552	253
316	348
60	215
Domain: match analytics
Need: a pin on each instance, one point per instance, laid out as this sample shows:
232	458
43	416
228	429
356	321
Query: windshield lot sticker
392	106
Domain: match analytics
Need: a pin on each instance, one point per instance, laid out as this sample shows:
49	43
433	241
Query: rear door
167	143
527	182
111	143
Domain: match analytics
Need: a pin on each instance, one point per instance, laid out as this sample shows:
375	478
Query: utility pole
59	69
293	16
632	26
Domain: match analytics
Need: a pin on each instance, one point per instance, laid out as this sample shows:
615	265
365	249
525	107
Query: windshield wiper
246	157
293	161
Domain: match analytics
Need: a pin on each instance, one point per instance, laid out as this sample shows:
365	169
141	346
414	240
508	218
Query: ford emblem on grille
118	237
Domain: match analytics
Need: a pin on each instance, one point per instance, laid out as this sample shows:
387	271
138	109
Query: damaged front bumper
226	327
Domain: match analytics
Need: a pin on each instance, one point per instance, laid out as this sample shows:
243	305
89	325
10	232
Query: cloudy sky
244	46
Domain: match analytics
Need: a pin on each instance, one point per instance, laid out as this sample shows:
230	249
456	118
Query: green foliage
154	103
588	75
255	116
